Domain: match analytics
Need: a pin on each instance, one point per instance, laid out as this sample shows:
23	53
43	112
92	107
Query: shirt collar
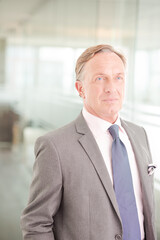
97	124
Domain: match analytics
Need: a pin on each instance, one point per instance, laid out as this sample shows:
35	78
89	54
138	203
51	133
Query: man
73	192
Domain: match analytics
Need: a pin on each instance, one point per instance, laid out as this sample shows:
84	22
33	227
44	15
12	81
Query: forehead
105	61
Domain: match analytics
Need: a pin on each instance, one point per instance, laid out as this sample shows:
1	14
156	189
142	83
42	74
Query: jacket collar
88	143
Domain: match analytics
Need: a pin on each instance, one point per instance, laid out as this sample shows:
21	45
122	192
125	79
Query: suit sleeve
37	220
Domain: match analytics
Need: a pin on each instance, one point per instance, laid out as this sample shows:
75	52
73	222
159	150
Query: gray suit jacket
71	195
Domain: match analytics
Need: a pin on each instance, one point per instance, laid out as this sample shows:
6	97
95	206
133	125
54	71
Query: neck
109	118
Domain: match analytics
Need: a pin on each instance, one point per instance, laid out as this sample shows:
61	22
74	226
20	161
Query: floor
15	179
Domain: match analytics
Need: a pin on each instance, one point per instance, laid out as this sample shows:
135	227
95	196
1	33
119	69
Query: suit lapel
141	153
143	158
91	148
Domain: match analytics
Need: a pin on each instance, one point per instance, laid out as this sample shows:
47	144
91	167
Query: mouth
110	100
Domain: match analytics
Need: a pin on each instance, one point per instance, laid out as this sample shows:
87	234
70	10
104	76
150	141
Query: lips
110	100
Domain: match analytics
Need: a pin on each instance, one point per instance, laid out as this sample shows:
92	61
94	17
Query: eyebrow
103	74
120	73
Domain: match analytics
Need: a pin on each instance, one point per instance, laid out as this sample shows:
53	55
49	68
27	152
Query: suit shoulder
132	125
60	133
66	129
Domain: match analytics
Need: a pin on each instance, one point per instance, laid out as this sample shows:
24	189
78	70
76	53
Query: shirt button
118	237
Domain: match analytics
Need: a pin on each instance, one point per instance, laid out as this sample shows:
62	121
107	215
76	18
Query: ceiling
82	22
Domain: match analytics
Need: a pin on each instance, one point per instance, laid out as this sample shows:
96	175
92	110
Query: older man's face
102	87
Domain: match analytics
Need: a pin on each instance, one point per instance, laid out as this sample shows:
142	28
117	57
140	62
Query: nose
109	86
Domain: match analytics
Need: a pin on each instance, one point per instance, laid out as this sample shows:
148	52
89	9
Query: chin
112	113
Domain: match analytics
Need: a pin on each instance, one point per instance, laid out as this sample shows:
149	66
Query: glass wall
39	44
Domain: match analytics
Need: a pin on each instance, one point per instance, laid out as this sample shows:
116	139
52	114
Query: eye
99	78
119	78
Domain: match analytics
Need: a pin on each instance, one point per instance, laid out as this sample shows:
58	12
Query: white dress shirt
99	129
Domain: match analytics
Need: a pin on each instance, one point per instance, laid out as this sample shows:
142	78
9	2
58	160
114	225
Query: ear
80	89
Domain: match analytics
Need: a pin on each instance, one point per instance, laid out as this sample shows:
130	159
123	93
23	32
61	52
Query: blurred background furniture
9	127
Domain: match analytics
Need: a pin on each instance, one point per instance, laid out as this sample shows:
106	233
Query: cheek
121	91
91	92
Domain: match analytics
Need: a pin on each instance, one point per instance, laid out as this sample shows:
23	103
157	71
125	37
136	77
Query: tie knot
114	131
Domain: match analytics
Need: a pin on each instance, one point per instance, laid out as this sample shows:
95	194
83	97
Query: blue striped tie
123	186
